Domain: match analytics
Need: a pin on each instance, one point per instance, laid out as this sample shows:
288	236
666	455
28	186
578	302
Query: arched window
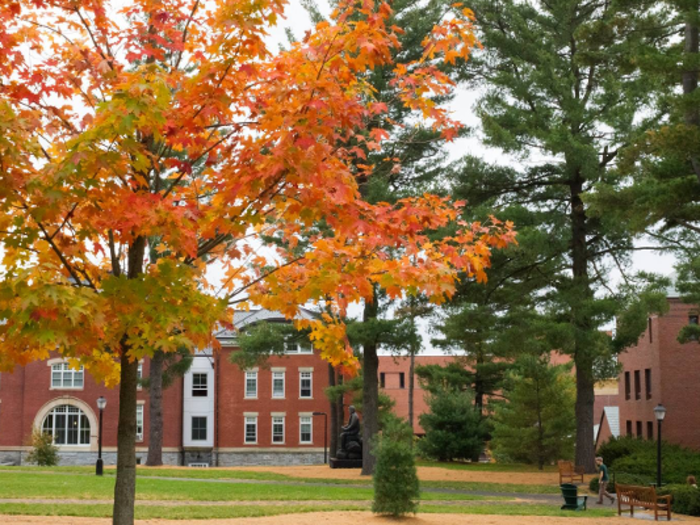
68	425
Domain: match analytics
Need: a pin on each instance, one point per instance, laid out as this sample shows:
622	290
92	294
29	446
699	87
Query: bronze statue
350	440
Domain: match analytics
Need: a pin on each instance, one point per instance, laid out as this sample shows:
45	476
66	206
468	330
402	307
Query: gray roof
242	318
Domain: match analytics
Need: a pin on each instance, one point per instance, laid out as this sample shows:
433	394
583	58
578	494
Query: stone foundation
247	458
253	458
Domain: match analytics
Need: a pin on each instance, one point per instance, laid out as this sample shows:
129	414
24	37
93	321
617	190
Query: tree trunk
582	294
411	387
125	488
155	404
340	405
333	413
370	392
690	75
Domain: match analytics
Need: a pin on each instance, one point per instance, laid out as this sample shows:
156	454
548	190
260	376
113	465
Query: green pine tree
396	485
560	82
536	423
454	428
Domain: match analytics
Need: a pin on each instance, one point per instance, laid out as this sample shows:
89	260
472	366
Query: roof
243	318
612	414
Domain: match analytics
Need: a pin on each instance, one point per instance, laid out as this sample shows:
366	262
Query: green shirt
604	470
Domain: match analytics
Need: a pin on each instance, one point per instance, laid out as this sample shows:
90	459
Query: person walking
602	481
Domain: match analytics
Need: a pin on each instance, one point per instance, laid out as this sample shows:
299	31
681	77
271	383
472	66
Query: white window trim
80	429
284	430
308	350
140	405
61	362
245	428
311	422
245	384
205	374
139	375
284	384
311	386
206	419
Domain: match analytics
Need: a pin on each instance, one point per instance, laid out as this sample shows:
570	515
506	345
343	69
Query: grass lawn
17	485
221	512
214	473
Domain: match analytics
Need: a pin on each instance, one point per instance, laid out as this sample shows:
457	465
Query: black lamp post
325	435
99	467
660	413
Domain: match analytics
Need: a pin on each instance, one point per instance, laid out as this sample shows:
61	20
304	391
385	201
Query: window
139	375
305	384
199	385
251	384
637	385
647	382
139	422
278	385
278	429
650	430
68	425
629	428
63	376
639	429
382	379
251	429
651	338
402	380
199	428
297	345
627	385
305	429
693	319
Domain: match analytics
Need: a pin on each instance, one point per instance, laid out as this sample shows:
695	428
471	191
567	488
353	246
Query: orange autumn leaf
146	140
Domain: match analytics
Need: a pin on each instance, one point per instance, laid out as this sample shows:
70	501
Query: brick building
660	370
216	415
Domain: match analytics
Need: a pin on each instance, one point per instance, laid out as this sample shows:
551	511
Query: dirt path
424	473
341	518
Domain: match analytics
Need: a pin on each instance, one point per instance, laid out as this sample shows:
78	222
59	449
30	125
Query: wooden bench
572	501
569	473
643	497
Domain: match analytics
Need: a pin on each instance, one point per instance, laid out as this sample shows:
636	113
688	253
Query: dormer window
296	345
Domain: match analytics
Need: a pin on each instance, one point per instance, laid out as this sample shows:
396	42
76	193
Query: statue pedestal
345	463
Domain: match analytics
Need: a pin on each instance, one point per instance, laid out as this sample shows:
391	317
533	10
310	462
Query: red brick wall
392	367
233	404
675	369
26	390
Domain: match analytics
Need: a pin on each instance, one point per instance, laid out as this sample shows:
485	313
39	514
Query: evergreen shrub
454	429
686	499
396	487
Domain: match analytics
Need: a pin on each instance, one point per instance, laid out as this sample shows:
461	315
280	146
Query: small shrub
686	499
44	453
616	448
396	487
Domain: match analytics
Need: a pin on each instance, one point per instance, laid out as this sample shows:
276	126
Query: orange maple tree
141	141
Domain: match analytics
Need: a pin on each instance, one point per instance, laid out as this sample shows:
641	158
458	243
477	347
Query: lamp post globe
659	414
99	466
